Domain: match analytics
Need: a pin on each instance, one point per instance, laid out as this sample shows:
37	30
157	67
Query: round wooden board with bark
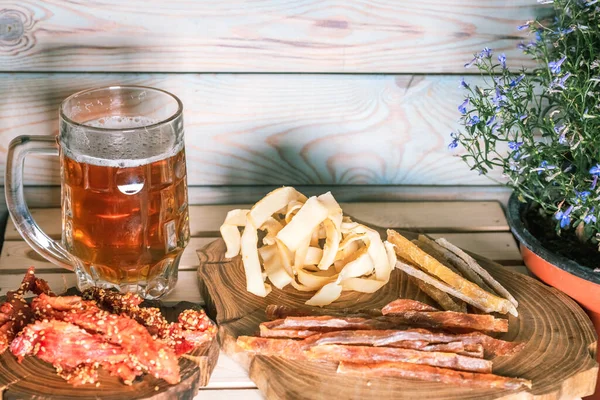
559	355
36	379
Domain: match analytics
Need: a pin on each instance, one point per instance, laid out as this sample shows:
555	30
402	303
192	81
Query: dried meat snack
433	374
366	354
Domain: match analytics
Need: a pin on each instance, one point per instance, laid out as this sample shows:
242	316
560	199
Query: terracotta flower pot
577	281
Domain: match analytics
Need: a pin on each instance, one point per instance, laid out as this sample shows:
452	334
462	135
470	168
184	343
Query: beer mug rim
63	114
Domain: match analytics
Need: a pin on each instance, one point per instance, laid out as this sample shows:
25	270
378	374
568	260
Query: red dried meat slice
432	374
154	356
286	348
328	323
402	305
193	329
473	350
128	304
267	332
280	312
452	347
491	346
367	354
75	352
450	320
15	313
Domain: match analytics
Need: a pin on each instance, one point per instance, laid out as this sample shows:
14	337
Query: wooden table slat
231	394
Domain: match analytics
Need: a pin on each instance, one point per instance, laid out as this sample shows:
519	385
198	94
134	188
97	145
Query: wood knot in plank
15	31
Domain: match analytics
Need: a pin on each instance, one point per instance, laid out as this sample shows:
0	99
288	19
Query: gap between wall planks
256	129
354	36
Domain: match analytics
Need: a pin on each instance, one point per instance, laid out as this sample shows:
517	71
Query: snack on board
289	239
306	243
425	267
95	336
373	346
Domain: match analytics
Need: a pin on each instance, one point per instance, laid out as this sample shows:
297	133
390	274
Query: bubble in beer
130	181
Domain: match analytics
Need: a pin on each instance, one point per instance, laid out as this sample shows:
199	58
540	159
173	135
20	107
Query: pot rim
526	239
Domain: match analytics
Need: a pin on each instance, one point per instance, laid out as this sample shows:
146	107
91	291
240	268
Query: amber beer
127	224
124	191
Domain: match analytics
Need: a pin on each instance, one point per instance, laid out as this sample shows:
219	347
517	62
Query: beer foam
118	122
128	149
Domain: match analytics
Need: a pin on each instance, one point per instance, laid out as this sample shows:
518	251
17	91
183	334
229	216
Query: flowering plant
542	127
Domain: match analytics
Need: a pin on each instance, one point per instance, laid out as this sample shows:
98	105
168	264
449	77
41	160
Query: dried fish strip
439	296
456	261
469	292
479	270
418	274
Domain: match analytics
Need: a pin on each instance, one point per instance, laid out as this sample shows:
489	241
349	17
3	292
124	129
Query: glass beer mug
124	200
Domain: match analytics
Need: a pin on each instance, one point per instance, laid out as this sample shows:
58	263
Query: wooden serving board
559	356
36	379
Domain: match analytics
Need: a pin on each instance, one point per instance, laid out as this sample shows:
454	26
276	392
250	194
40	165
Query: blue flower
514	145
582	196
473	121
522	46
538	35
463	107
562	31
516	81
522	116
555	65
502	59
563	217
524	26
544	166
454	143
562	139
595	170
463	84
499	99
561	130
560	82
590	217
486	52
594	182
470	63
490	121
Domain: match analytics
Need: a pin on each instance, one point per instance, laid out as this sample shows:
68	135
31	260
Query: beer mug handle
18	149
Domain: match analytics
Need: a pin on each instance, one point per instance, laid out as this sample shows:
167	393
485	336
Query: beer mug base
151	289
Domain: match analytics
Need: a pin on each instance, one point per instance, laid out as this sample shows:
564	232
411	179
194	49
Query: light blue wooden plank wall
302	92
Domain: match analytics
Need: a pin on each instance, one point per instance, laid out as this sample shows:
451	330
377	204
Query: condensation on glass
125	218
